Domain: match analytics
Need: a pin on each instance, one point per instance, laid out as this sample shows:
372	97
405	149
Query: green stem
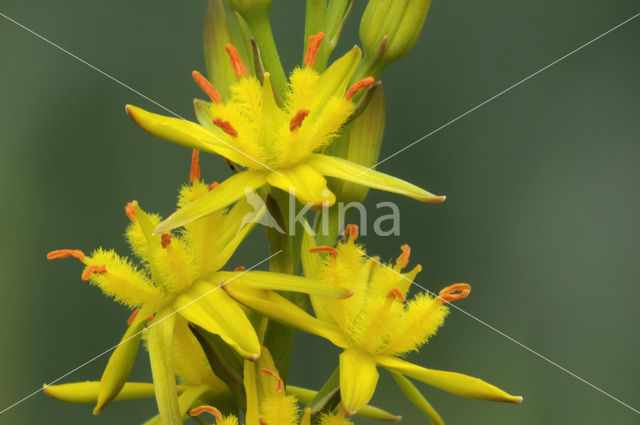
261	30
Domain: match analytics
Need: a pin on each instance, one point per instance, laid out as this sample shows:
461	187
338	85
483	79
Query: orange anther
274	375
262	421
206	409
194	172
454	292
296	121
64	253
236	61
213	185
150	318
226	127
352	230
206	87
403	259
130	211
396	294
362	84
313	46
331	250
86	274
240	269
165	240
133	316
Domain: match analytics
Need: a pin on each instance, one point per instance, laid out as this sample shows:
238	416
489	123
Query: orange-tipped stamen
213	185
206	87
274	375
296	121
165	240
236	61
403	259
130	211
352	230
206	409
325	249
262	421
454	292
65	253
362	84
226	127
194	172
313	46
240	269
86	274
396	294
132	317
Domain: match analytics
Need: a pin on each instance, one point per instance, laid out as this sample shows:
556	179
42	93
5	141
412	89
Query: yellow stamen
194	173
236	61
279	382
65	253
454	292
296	121
207	87
324	248
226	127
313	46
86	274
362	84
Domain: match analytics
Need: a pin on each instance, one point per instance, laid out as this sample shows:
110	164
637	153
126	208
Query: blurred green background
541	216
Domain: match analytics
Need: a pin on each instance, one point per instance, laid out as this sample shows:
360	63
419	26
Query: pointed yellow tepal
277	141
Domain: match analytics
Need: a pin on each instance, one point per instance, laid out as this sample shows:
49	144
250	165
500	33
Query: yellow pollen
206	87
130	211
65	253
206	409
279	382
226	127
194	173
236	61
454	292
86	274
296	121
313	46
362	84
328	249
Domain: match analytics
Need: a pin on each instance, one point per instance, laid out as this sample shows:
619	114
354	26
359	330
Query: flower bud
223	26
360	143
400	21
248	7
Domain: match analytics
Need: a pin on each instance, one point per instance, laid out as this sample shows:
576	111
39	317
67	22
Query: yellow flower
180	282
377	325
277	145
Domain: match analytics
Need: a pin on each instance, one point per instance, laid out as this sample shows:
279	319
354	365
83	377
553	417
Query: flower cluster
219	340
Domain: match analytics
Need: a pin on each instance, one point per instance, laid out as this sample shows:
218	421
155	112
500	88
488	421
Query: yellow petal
87	392
308	186
336	78
284	311
417	398
222	196
358	379
186	133
349	171
455	383
211	308
120	363
159	345
281	282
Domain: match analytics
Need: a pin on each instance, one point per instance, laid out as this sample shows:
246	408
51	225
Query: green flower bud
400	21
360	143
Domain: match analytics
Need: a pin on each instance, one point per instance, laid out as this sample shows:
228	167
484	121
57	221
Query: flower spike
454	292
236	61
